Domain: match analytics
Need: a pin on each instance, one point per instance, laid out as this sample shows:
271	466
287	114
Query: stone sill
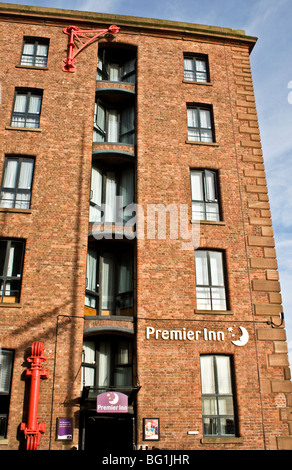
222	440
15	210
32	67
10	305
192	82
214	312
4	442
208	222
208	144
15	128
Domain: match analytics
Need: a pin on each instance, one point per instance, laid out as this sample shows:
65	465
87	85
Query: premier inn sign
112	402
183	334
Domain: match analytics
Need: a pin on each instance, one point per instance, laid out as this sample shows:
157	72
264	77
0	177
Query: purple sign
112	402
65	428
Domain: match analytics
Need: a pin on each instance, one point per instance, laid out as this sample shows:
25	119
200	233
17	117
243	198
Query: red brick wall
56	231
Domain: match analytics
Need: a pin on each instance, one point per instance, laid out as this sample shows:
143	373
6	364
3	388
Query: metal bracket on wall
81	38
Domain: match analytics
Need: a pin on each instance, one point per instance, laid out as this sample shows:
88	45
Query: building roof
133	22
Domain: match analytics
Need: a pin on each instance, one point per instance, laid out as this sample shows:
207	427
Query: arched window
116	64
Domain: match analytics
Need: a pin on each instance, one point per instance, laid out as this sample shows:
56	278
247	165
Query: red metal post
83	38
33	429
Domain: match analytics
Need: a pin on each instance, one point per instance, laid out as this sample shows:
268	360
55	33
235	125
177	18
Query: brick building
136	238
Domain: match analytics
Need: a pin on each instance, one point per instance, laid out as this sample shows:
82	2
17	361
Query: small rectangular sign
64	429
112	402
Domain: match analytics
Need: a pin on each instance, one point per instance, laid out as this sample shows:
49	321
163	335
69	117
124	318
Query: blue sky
271	62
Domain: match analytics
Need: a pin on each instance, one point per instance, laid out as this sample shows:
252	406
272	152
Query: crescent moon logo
243	339
115	400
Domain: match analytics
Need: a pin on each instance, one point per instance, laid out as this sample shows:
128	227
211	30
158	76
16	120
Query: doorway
105	434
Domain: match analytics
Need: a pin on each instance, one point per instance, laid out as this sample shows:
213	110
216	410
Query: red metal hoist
81	38
33	429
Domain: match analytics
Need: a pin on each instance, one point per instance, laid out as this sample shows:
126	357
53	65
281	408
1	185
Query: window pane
210	426
42	50
89	352
198	211
225	405
91	270
124	353
104	364
10	174
218	298
207	375
34	104
125	274
192	117
6	358
203	298
22	200
15	259
28	48
205	119
25	177
108	278
20	103
224	374
197	186
201	65
3	246
114	72
113	126
227	426
110	196
216	266
212	211
127	187
127	125
209	406
202	277
210	186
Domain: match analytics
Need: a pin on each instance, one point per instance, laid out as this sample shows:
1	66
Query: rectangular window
111	193
6	363
17	182
109	282
200	124
107	362
11	264
27	108
35	52
210	283
196	68
204	188
114	125
217	396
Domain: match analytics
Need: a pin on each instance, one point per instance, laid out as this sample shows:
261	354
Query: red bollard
33	429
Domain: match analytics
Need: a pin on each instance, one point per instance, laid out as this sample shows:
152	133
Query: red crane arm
81	38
